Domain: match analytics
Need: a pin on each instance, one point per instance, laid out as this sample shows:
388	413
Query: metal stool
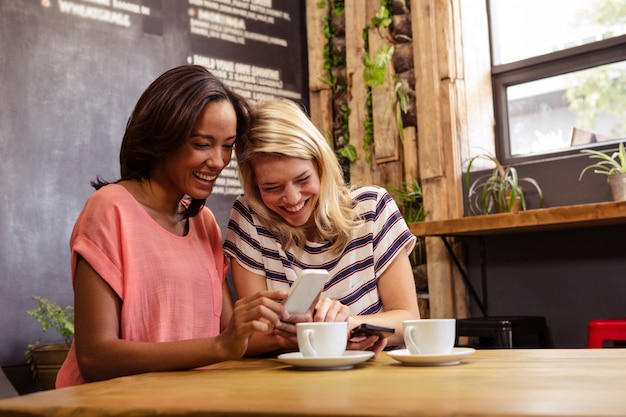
610	330
505	332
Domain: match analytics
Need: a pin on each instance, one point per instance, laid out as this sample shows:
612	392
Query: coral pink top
170	286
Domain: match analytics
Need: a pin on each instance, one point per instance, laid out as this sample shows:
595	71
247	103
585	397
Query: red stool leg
607	329
594	336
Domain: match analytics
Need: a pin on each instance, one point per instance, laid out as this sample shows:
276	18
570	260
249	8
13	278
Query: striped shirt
354	271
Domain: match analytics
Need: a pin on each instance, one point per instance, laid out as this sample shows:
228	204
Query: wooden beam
316	40
436	60
321	106
386	138
409	153
356	21
554	218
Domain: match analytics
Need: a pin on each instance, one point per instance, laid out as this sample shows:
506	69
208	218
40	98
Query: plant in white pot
45	360
613	166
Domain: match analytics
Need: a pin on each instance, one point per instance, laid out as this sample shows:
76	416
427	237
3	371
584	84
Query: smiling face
194	167
289	187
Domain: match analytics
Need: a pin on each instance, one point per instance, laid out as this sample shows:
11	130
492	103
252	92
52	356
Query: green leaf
608	164
52	316
382	18
498	190
348	152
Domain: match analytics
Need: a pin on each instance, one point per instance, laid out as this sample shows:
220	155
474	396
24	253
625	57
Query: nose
291	195
218	158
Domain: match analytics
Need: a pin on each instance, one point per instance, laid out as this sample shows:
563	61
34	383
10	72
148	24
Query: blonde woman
297	213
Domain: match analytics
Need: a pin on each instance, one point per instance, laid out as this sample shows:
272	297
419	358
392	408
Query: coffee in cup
322	339
429	336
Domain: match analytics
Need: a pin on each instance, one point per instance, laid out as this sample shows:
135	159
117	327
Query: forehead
217	116
280	168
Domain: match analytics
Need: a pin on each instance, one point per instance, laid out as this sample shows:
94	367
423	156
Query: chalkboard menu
70	73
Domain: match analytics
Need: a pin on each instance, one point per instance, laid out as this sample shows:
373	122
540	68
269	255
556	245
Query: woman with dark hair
148	267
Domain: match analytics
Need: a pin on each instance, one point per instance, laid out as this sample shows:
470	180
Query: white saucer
452	358
345	361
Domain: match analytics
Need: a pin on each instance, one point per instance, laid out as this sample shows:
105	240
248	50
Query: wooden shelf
566	217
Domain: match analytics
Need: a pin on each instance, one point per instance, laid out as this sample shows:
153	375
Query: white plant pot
618	186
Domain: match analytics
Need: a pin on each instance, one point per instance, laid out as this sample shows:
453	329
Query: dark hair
164	118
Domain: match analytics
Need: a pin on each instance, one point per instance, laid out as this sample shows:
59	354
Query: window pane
559	112
522	29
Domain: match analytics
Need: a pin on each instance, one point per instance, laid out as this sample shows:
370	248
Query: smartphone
305	290
365	330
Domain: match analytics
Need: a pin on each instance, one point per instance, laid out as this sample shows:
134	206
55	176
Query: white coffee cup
429	336
322	339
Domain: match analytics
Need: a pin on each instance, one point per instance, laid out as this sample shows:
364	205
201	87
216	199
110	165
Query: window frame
606	51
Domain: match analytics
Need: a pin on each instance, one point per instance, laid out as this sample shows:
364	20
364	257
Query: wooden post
320	93
356	20
386	159
410	151
437	52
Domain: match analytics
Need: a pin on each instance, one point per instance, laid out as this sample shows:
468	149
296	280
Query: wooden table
550	382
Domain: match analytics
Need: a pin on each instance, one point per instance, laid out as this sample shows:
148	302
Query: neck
163	209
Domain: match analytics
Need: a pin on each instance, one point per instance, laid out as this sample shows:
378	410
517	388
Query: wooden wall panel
436	58
356	20
409	153
430	153
320	97
386	157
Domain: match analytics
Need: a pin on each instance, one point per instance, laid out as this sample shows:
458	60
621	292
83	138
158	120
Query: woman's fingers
331	310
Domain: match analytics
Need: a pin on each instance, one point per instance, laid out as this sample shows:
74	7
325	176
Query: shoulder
242	201
206	213
241	209
368	192
105	211
206	216
373	197
204	225
110	191
109	198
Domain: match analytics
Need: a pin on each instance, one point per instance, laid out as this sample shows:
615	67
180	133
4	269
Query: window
559	75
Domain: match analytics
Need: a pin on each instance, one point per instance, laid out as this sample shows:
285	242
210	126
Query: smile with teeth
205	177
295	209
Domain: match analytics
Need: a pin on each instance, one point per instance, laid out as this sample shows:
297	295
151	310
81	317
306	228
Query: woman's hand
258	312
330	310
285	330
373	343
323	310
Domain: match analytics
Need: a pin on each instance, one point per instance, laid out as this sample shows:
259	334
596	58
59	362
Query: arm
281	336
102	354
397	292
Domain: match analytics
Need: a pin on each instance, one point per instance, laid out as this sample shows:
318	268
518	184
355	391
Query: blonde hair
281	128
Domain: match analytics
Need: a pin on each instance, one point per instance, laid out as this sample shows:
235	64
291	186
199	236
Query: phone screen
365	330
305	289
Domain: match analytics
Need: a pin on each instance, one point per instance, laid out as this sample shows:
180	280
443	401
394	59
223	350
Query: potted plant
499	191
613	166
410	201
46	360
